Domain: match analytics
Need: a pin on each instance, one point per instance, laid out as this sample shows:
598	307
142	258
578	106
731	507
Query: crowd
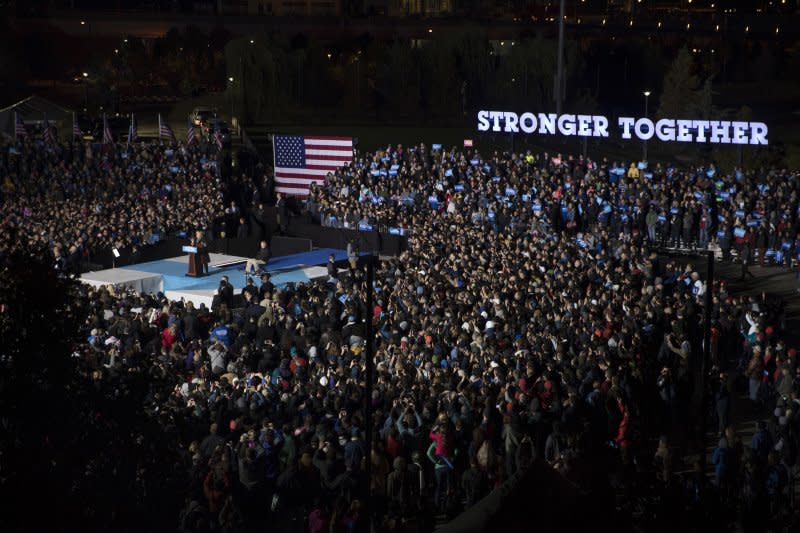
529	319
79	199
687	208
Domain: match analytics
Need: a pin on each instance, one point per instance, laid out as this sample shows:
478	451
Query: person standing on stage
202	252
282	212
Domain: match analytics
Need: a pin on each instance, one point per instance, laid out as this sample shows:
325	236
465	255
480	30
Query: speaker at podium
195	268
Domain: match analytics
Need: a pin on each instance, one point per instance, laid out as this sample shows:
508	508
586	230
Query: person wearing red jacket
624	427
169	336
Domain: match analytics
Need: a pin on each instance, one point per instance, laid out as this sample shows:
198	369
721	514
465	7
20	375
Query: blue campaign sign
739	213
490	215
495	178
724	195
392	172
739	232
648	175
769	253
642	165
779	257
753	223
448	172
698	195
785	245
382	172
710	172
436	146
458	187
474	162
376	173
510	192
525	197
720	234
537	207
662	218
721	218
385	159
363	226
487	168
674	211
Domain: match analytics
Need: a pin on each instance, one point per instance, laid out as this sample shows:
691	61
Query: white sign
665	129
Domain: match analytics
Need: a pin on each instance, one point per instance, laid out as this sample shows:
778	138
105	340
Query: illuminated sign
665	129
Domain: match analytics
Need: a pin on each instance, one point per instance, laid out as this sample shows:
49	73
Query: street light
230	80
644	142
85	83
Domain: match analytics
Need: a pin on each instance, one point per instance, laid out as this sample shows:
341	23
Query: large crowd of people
530	318
80	199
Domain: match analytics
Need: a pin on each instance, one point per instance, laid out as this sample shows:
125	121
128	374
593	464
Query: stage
169	275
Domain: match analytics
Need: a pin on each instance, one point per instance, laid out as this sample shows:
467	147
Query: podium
195	268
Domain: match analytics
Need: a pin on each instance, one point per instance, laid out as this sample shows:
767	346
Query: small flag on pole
76	130
190	138
19	129
132	134
47	132
164	130
107	137
218	137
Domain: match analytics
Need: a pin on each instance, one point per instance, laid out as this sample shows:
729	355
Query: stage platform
169	275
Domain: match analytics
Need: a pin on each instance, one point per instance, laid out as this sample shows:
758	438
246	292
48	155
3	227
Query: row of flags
164	131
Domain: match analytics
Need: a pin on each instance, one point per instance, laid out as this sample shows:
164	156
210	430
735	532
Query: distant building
299	8
430	8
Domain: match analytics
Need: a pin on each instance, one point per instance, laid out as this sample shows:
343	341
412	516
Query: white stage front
137	280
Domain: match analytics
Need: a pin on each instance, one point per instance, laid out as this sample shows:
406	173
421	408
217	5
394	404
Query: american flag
164	130
76	130
190	138
303	159
132	133
218	137
19	129
47	132
107	137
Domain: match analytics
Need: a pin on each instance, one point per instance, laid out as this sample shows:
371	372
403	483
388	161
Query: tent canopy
33	110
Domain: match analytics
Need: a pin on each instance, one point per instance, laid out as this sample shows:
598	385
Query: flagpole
159	126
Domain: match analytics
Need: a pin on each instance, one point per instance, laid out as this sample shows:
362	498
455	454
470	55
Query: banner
665	129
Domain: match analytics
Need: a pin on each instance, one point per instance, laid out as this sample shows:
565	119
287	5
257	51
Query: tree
69	442
681	89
